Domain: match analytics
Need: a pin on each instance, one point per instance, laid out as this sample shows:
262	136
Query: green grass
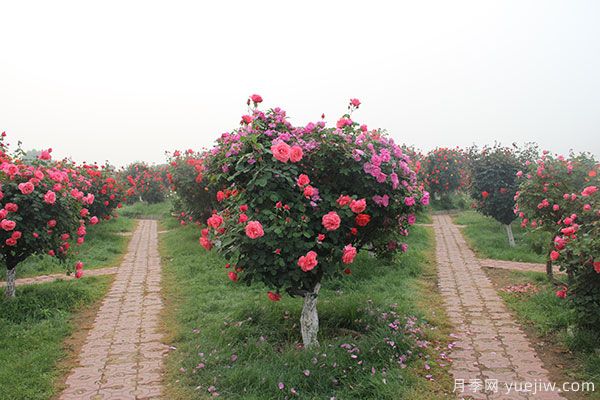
142	210
554	322
489	240
103	247
455	201
33	327
210	320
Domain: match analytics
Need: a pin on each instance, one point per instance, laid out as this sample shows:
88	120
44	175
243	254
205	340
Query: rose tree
577	249
186	177
549	193
40	213
444	171
494	184
296	204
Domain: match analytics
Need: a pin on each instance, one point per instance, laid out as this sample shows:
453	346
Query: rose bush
144	182
548	193
42	211
102	183
494	184
295	204
193	198
562	196
444	171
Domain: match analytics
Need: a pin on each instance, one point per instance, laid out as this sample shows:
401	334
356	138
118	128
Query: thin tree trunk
549	271
309	320
11	277
509	232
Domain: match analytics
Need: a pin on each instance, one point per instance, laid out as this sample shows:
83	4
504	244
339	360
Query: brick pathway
53	277
122	355
490	345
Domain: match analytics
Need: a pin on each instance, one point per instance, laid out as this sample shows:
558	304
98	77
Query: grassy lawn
231	340
104	246
489	240
144	210
568	353
33	328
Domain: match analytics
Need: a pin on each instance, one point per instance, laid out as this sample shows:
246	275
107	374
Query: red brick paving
123	353
490	345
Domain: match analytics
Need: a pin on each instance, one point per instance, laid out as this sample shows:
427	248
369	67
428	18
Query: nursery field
308	262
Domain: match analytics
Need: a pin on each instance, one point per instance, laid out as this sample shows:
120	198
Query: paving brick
122	357
491	344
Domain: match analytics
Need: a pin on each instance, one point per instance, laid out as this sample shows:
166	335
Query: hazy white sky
127	80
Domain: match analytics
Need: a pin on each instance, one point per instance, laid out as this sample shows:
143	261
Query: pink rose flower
215	221
309	191
308	262
256	98
331	221
358	206
303	180
8	225
52	223
206	243
344	200
281	151
11	207
296	154
588	191
355	102
10	242
94	220
26	187
254	230
45	155
410	201
50	197
349	254
242	218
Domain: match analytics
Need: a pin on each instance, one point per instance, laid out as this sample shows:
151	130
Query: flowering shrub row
296	204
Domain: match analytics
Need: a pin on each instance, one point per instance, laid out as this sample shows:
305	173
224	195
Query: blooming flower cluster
43	209
561	196
295	204
444	170
144	182
185	177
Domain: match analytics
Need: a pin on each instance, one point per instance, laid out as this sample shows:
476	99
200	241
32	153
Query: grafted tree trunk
509	232
309	319
549	271
11	278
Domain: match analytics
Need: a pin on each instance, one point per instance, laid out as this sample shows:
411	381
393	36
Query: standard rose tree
295	204
193	199
549	194
494	184
41	212
144	182
444	172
